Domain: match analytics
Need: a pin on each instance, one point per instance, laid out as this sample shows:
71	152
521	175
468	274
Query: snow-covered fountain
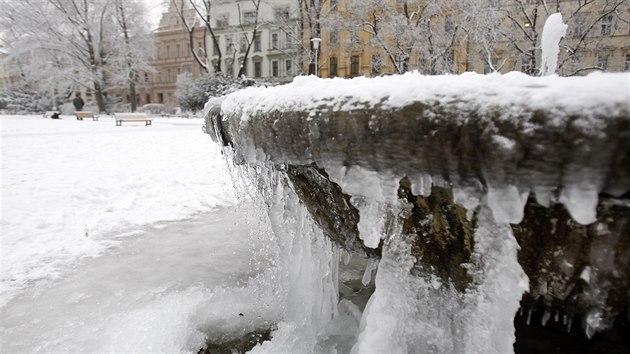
471	196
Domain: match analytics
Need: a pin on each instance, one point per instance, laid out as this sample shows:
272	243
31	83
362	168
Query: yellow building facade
370	38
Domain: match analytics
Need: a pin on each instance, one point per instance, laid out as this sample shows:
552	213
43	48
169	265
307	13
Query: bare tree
411	34
133	52
523	25
72	41
191	13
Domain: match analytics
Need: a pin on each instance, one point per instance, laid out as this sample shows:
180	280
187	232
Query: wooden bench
132	117
85	114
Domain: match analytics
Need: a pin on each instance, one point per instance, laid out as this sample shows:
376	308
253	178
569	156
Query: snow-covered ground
113	238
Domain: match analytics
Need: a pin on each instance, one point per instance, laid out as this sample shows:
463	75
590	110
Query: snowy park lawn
71	189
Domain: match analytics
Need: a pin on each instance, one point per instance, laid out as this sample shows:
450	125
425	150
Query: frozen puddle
154	293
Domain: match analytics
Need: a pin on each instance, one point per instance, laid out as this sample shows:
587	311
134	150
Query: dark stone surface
329	207
557	254
558	337
238	345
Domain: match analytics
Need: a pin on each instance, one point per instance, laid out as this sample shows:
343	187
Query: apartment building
274	53
173	56
361	37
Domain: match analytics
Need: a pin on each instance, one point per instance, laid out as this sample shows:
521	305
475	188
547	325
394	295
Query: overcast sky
155	7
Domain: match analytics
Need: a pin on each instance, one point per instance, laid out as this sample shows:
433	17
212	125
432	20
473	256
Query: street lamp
316	41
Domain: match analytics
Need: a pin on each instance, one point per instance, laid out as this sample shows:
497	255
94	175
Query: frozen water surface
146	295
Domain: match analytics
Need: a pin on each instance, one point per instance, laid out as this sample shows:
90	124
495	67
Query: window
579	27
354	65
376	64
223	20
448	24
229	67
157	53
333	66
281	14
607	22
160	98
355	35
288	65
274	68
257	44
148	98
626	65
249	17
168	51
243	43
188	51
229	44
528	28
257	69
177	51
288	40
169	75
334	37
274	41
602	61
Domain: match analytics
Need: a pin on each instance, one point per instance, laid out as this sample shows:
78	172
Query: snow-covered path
120	239
71	189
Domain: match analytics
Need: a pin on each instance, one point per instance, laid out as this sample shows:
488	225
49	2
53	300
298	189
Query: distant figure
55	115
78	103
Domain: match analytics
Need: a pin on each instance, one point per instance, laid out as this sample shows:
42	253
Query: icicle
346	256
421	185
593	322
581	202
586	274
372	264
372	218
544	195
546	317
468	197
507	203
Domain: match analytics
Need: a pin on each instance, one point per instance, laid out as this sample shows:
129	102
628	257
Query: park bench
132	117
85	114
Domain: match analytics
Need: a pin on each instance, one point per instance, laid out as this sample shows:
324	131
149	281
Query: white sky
156	8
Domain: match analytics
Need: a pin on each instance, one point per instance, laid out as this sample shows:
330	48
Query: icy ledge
506	134
474	159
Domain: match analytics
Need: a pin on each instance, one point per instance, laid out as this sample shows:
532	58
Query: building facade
274	53
173	56
370	37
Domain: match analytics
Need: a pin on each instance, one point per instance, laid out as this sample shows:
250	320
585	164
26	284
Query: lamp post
316	41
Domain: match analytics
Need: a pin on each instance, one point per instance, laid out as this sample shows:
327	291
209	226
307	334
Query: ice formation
553	31
369	141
